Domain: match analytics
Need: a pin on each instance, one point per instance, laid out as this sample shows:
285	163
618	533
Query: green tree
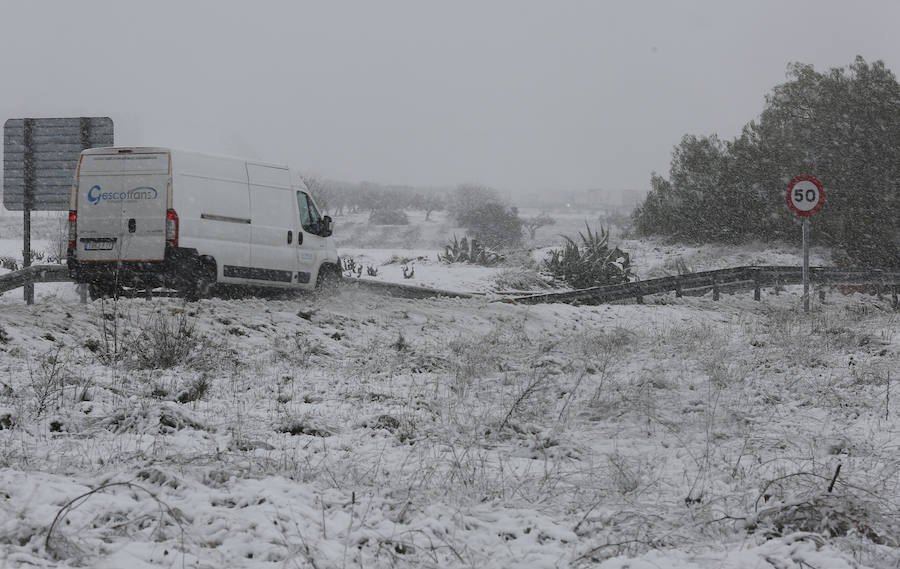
842	126
481	211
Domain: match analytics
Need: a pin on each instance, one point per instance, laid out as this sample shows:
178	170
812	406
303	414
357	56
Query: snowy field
359	430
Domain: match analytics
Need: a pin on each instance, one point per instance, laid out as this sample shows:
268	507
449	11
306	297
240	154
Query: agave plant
589	263
469	251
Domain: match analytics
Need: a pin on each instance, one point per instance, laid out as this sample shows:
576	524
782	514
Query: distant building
617	199
610	201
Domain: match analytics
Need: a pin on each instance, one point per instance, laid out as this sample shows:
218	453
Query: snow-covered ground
360	430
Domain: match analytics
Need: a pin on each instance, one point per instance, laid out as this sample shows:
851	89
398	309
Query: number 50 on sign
805	195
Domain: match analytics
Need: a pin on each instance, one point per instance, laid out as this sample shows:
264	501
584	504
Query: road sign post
27	199
805	197
806	264
39	160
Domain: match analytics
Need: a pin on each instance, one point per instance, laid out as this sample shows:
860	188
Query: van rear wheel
202	285
97	291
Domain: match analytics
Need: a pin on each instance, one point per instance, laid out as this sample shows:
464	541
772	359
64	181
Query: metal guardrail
732	279
737	278
33	274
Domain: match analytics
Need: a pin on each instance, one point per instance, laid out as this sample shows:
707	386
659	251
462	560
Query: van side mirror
326	227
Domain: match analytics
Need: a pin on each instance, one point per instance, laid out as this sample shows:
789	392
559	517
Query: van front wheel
328	280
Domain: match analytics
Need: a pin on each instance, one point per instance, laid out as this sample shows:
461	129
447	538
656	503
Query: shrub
351	267
388	217
302	426
195	390
590	263
469	251
494	224
9	263
48	379
165	342
485	217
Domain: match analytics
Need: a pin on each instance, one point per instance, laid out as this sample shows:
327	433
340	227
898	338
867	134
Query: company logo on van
95	194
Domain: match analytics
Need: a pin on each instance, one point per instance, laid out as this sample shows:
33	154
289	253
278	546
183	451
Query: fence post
895	302
678	290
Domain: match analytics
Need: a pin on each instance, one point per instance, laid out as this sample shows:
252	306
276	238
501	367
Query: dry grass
627	434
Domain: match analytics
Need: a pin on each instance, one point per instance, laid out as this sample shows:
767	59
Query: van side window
309	215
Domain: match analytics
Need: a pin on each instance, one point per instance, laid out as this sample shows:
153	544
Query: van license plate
98	245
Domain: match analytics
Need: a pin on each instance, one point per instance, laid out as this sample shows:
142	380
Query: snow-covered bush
165	342
10	263
520	279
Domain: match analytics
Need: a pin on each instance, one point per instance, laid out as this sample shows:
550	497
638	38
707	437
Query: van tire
98	291
203	281
328	279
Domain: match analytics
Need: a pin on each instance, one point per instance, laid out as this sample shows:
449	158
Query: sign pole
28	137
805	197
84	137
806	264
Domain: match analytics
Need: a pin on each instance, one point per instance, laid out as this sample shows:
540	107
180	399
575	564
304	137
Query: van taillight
171	228
73	229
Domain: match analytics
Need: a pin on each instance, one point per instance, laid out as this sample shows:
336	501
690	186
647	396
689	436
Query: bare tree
532	224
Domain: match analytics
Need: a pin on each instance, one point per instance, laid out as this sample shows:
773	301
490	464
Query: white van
159	217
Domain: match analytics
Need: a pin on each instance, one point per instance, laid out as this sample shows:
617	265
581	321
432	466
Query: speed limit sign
805	195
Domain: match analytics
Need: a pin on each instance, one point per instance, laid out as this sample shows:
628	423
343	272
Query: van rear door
122	206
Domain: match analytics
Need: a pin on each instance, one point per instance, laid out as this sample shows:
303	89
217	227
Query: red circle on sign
800	200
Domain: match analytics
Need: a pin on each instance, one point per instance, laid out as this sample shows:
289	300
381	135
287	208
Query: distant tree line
338	198
842	126
478	209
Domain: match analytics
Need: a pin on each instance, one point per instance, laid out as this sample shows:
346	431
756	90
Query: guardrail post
678	290
715	289
822	294
757	293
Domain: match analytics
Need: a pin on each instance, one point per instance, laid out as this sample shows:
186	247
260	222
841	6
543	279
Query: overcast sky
518	95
